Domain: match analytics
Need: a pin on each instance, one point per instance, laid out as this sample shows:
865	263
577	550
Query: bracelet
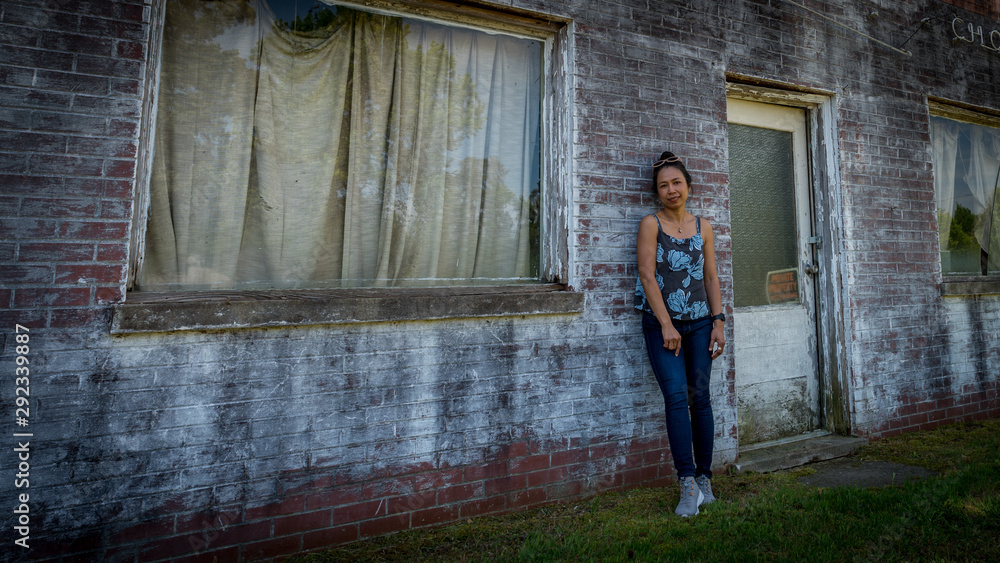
719	317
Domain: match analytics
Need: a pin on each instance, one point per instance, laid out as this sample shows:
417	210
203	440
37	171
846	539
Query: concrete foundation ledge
788	453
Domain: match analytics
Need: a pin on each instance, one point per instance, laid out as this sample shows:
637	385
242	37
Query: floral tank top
680	265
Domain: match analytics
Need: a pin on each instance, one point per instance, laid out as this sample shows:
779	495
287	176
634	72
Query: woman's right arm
646	249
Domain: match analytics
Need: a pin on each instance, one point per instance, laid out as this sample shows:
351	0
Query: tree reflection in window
966	160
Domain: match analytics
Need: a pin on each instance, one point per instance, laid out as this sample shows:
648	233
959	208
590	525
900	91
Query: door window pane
762	208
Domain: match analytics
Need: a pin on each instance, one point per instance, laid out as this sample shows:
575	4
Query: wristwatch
719	317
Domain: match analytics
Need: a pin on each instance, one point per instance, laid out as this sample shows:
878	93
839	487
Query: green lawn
954	516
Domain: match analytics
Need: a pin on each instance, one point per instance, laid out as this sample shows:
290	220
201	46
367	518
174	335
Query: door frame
776	405
827	205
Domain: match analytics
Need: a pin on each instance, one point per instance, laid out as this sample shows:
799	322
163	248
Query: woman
678	294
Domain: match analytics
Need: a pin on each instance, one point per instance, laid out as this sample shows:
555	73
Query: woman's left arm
714	294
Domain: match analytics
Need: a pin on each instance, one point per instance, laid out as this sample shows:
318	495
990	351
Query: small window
966	160
304	144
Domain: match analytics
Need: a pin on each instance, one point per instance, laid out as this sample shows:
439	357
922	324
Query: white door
774	322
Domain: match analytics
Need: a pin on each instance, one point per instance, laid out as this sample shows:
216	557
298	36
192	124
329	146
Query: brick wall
907	374
988	8
68	125
256	443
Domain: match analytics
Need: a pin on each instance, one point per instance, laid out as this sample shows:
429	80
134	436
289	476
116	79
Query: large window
302	144
966	174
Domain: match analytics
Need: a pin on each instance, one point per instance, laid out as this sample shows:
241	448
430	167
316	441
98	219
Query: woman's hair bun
669	159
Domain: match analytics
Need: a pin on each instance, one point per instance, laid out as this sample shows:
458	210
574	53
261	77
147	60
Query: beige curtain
944	141
198	186
981	177
374	151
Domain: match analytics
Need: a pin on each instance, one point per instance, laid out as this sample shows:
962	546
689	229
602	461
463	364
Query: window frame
959	285
157	312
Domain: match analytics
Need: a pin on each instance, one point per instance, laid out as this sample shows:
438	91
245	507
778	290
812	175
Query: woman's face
672	188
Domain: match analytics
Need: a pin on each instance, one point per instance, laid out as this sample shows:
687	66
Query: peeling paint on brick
259	442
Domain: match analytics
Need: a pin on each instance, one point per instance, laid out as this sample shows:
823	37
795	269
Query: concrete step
793	452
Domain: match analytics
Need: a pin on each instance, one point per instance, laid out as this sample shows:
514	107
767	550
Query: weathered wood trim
958	111
187	311
144	160
486	16
557	159
770	92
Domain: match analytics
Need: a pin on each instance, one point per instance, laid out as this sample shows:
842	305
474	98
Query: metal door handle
812	269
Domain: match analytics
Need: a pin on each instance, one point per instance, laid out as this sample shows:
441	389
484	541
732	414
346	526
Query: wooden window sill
194	311
970	285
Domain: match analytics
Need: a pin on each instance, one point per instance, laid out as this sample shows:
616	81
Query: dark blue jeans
684	382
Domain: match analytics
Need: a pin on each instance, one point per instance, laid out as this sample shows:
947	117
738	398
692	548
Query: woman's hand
671	338
718	340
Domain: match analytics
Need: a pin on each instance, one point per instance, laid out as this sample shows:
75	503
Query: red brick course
284	527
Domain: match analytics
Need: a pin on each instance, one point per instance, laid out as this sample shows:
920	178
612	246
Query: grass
952	516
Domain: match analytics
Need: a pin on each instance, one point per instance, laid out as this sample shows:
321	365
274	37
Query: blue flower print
697	270
641	291
640	297
686	282
678	261
659	252
697	310
677	301
695	242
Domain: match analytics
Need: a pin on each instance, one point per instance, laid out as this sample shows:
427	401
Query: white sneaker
705	486
691	498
